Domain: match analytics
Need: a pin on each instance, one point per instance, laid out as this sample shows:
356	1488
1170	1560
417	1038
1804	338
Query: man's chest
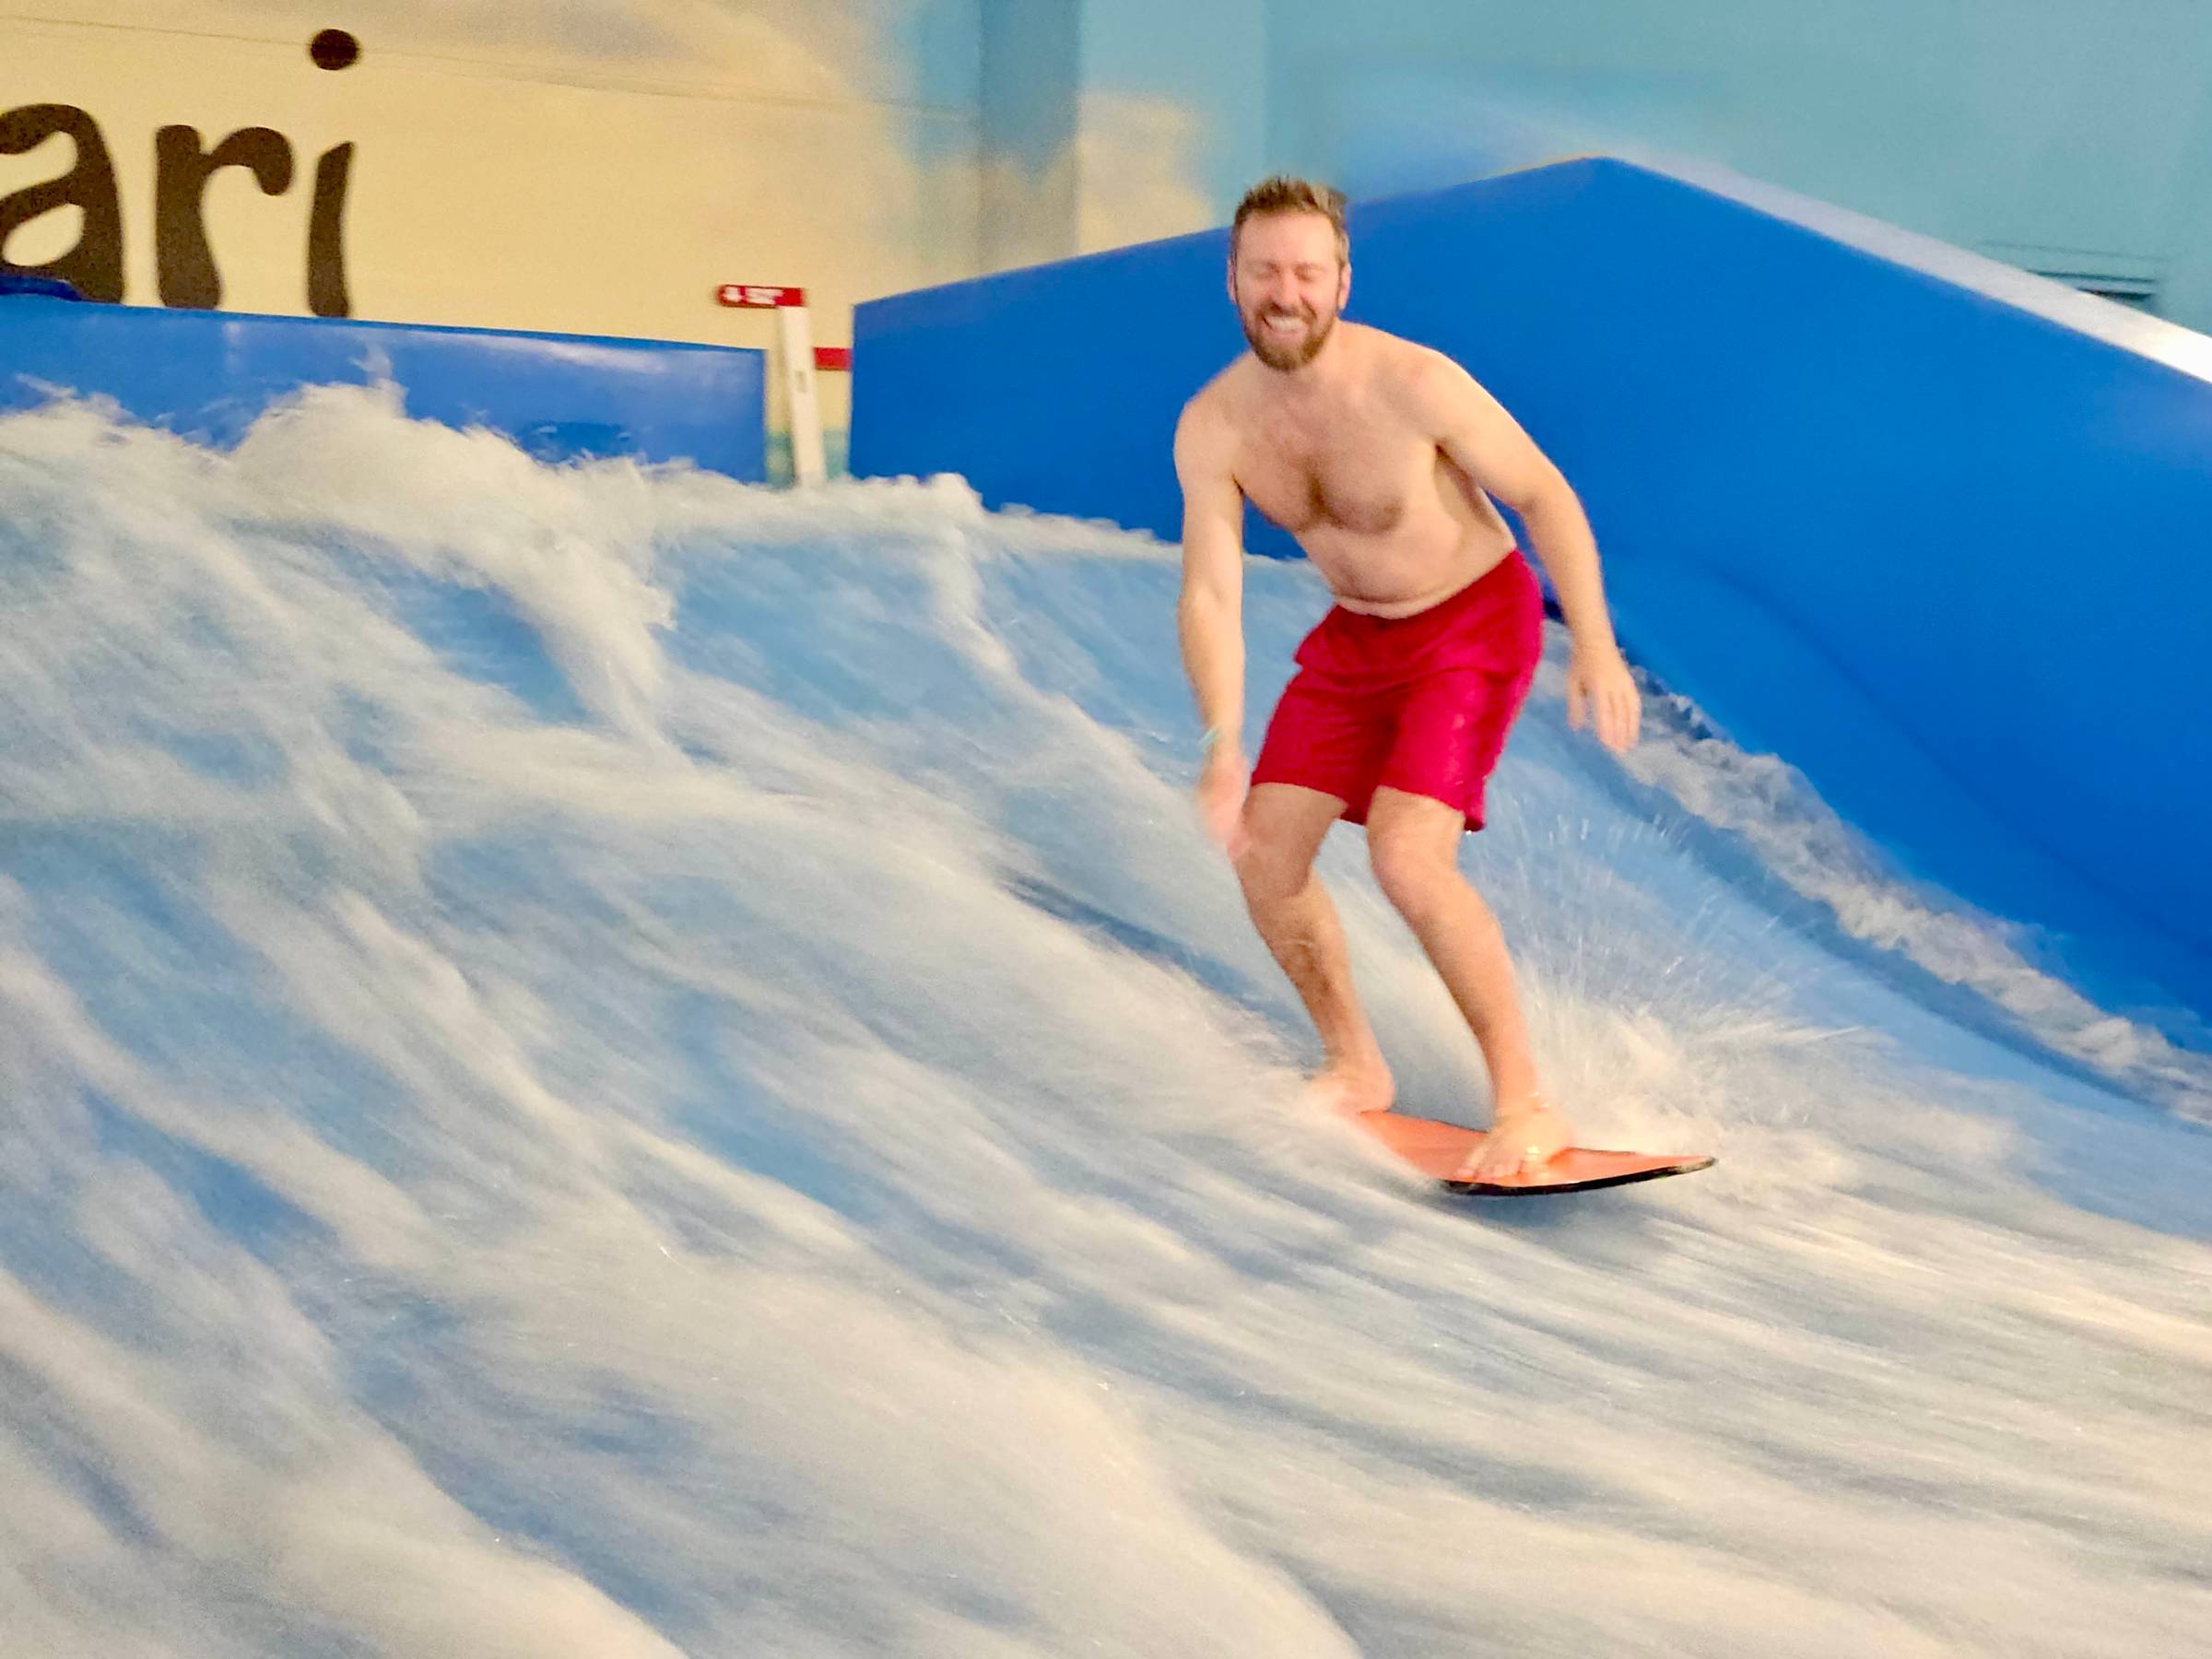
1356	475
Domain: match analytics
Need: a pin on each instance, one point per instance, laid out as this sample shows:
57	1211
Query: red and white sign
834	357
756	296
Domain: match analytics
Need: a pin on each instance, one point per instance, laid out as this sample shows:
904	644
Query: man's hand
1600	690
1221	788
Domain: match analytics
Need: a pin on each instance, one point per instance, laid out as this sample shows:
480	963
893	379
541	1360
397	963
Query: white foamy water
605	1063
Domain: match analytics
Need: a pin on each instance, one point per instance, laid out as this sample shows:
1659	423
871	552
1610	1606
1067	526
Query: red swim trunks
1420	703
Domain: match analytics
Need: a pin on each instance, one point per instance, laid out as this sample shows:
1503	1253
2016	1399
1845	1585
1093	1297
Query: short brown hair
1281	195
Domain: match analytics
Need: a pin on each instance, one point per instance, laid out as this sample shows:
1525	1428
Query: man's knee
1275	863
1413	870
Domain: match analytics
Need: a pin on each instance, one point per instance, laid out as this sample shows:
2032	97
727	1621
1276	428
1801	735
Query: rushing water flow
600	1062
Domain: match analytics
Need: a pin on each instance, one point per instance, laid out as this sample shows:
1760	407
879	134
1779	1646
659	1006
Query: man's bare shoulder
1220	396
1210	418
1408	362
1428	383
1379	350
1206	432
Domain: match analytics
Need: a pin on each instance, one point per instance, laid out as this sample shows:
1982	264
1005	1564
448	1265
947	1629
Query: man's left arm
1480	438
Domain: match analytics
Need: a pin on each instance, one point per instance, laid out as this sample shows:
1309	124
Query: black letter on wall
326	295
183	259
94	266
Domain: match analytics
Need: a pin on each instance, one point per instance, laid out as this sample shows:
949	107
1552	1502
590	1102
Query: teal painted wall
1210	58
1029	55
2069	138
1107	122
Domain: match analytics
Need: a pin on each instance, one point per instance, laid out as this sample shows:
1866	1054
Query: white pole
795	350
794	333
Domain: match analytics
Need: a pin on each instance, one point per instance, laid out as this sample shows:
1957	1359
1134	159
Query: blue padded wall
208	375
1944	556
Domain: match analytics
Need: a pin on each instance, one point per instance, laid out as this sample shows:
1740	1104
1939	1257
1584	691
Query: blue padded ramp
208	375
1942	553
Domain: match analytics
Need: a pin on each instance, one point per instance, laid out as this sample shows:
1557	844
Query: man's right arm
1210	614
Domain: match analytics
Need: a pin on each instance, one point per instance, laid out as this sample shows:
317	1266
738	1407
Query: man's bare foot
1524	1137
1350	1088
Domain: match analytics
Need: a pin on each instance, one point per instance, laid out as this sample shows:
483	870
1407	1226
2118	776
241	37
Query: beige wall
526	164
587	165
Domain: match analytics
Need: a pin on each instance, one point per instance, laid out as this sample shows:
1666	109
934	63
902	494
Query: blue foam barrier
208	374
1943	554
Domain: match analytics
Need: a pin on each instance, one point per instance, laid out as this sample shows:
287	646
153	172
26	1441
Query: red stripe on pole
833	356
758	296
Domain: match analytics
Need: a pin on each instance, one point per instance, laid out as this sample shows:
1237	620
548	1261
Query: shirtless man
1381	458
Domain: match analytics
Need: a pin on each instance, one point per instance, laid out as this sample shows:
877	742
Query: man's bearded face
1288	283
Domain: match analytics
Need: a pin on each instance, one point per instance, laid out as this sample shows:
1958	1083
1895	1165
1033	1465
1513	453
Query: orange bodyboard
1438	1150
